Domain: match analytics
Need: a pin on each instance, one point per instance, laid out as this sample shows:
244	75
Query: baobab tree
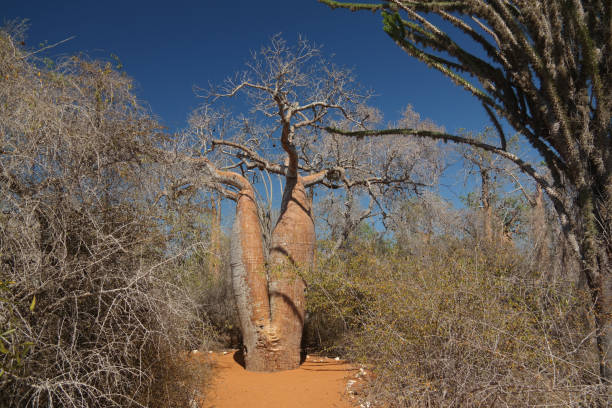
291	94
544	67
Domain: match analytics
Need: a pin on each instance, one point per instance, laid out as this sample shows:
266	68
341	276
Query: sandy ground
320	382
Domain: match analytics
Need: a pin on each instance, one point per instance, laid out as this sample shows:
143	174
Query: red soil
319	382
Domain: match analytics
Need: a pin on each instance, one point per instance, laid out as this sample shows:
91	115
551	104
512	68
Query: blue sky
168	47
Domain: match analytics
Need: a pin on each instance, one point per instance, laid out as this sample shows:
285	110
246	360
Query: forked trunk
271	302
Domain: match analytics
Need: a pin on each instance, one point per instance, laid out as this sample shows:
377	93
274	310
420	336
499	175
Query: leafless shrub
444	322
86	314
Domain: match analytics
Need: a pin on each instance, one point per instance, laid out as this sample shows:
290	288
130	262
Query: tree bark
249	281
271	303
603	318
599	279
291	252
596	250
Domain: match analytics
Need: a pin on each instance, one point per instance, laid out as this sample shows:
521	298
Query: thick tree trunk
596	252
249	281
292	251
271	305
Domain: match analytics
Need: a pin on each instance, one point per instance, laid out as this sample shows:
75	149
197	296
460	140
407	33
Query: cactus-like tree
544	66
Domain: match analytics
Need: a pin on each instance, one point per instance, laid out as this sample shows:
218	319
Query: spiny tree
291	93
544	67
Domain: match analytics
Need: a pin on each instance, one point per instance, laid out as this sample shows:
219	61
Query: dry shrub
87	316
181	381
211	292
458	326
201	268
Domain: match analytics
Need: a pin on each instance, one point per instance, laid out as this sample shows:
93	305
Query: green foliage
392	25
353	6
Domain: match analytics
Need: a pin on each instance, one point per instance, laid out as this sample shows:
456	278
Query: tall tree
503	197
291	93
544	67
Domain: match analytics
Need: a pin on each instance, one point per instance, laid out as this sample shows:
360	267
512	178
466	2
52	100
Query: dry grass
458	326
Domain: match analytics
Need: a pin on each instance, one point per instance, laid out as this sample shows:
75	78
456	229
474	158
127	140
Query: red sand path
320	382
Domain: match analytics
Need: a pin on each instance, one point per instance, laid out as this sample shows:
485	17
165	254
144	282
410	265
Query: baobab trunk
271	302
291	252
249	280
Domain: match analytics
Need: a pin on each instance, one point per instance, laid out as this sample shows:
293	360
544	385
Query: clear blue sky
170	46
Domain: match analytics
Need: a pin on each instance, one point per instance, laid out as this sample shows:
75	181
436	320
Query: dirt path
320	382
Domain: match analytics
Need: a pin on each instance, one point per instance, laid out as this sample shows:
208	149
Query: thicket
543	67
451	319
89	316
108	273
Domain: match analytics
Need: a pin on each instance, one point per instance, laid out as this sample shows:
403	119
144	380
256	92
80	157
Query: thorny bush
458	324
86	317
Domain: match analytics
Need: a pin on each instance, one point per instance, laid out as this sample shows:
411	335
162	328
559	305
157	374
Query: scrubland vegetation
91	313
454	320
113	262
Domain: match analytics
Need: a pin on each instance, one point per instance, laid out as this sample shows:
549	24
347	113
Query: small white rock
349	384
210	352
337	358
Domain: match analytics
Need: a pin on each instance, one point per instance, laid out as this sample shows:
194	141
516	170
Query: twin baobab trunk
270	298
